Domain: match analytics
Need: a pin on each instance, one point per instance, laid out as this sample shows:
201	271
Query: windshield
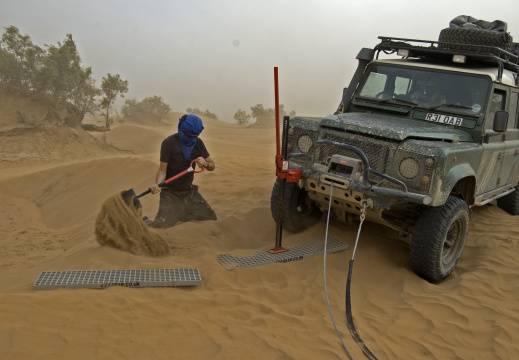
424	87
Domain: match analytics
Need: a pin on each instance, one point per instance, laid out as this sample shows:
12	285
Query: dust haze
220	55
55	181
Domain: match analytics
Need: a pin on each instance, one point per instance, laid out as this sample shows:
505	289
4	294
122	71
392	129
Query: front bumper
352	176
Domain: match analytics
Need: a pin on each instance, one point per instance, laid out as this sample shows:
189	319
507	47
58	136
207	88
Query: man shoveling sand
119	222
180	200
119	225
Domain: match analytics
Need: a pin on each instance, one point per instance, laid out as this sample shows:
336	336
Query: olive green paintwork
427	151
476	164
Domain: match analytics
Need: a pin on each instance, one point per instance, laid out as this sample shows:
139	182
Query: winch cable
324	271
349	318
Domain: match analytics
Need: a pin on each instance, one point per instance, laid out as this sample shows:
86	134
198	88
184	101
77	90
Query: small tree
112	86
84	98
8	68
155	108
149	108
206	113
242	117
20	59
131	109
263	115
61	72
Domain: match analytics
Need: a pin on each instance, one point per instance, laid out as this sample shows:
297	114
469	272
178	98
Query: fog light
402	52
425	180
461	59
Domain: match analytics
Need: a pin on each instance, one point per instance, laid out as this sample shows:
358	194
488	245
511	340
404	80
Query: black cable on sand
119	225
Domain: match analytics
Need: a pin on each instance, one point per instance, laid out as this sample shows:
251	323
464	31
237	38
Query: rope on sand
349	317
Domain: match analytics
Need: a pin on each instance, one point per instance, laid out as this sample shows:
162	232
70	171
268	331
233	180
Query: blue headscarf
193	125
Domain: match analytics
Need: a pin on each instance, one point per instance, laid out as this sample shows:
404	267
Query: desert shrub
261	115
151	108
242	117
56	70
206	113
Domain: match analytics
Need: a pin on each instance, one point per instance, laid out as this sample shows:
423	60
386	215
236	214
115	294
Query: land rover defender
425	131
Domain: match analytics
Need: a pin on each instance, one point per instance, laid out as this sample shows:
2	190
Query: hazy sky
220	54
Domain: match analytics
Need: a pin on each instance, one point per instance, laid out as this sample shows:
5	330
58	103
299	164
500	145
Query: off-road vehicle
425	131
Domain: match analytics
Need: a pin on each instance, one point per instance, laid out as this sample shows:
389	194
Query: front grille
377	151
383	155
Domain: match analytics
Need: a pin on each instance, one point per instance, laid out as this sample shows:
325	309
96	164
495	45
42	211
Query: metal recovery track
297	252
100	279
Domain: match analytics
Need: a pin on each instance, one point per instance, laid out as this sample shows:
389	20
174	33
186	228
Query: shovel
127	195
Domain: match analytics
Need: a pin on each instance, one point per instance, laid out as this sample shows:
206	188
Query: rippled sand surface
275	311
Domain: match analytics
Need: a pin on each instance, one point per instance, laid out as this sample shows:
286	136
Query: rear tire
510	202
298	211
439	238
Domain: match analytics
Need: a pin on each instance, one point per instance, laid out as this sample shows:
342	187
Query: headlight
304	143
409	168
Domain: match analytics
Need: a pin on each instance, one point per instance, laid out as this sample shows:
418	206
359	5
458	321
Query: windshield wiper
458	106
404	101
385	101
394	99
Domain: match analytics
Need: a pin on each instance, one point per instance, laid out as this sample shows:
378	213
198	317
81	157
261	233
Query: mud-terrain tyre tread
502	40
293	219
510	202
428	241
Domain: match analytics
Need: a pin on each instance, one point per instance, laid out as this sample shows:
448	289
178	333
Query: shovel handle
167	181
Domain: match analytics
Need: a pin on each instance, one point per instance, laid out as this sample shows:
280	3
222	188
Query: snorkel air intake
365	56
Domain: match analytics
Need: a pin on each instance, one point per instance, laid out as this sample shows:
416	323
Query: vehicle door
509	171
489	172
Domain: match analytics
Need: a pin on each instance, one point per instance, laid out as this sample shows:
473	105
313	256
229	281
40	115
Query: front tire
439	238
298	212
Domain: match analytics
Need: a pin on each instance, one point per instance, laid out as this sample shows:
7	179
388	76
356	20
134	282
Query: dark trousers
178	206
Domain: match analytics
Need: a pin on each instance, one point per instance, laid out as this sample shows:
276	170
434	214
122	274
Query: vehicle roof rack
446	50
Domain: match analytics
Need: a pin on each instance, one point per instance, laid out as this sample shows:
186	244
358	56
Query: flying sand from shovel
119	223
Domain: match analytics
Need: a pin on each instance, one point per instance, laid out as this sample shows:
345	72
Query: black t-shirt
171	153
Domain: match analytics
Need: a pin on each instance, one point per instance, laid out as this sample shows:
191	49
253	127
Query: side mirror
500	121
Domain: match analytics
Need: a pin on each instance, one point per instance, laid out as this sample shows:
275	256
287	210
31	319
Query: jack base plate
277	250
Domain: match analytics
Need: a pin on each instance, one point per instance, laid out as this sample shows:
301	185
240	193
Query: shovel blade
127	197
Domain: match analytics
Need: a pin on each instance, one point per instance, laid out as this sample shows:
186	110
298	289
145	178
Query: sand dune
275	311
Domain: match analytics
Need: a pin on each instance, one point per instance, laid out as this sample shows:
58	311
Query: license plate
444	119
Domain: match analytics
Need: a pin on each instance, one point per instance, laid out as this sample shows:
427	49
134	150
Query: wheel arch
460	181
465	188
